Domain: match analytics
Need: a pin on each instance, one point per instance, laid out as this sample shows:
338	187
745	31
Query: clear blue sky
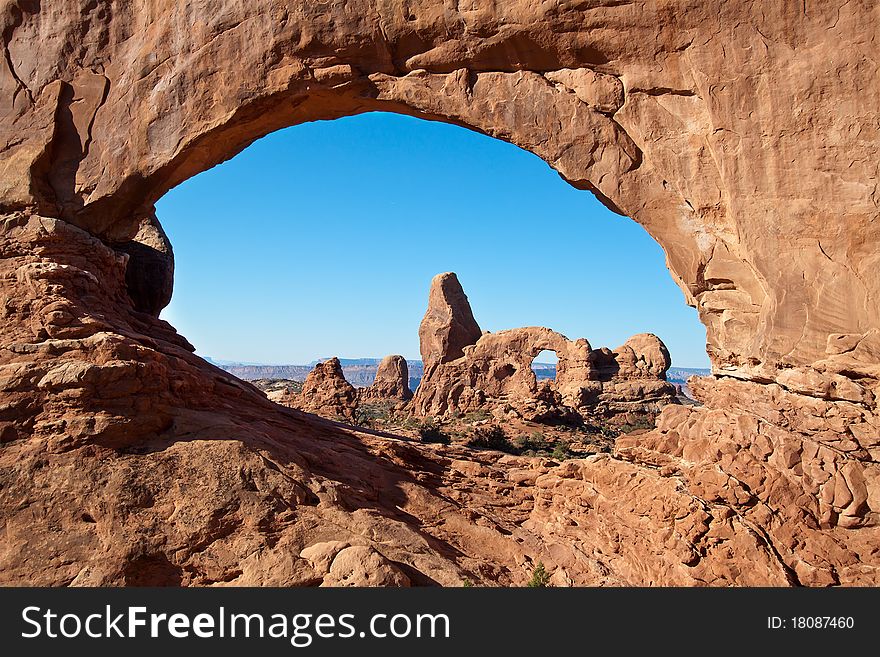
322	240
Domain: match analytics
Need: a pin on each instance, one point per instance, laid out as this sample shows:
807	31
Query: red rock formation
726	129
642	356
127	460
632	378
448	325
495	368
326	392
391	382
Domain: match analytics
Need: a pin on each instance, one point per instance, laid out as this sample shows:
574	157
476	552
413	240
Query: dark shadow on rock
149	276
152	570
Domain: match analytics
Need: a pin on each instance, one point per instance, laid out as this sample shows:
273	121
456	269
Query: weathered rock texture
741	135
326	392
448	325
630	378
493	369
391	383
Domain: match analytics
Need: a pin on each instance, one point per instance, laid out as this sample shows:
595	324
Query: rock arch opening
770	233
544	365
356	234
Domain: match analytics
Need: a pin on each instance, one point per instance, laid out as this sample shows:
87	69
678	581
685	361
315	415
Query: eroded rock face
106	405
642	356
391	383
326	392
97	137
363	566
448	325
632	378
149	272
495	369
726	129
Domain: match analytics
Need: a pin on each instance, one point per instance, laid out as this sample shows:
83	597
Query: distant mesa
361	372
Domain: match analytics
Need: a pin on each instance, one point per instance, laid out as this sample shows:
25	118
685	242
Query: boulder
642	356
361	565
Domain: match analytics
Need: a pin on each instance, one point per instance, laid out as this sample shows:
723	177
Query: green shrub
540	577
408	422
431	432
492	438
640	423
476	416
374	414
562	451
538	445
533	445
609	432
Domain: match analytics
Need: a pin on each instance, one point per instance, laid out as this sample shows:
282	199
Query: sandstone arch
163	93
466	368
729	132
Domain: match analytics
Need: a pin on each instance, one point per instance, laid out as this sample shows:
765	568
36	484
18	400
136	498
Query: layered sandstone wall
741	135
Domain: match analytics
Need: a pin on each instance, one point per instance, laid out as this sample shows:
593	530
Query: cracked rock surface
741	135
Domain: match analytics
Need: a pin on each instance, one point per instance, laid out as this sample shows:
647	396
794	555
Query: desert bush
492	437
562	451
533	445
643	422
476	416
540	577
432	432
538	445
371	415
408	422
609	432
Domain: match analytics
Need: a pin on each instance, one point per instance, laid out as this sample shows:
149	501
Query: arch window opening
544	365
319	243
